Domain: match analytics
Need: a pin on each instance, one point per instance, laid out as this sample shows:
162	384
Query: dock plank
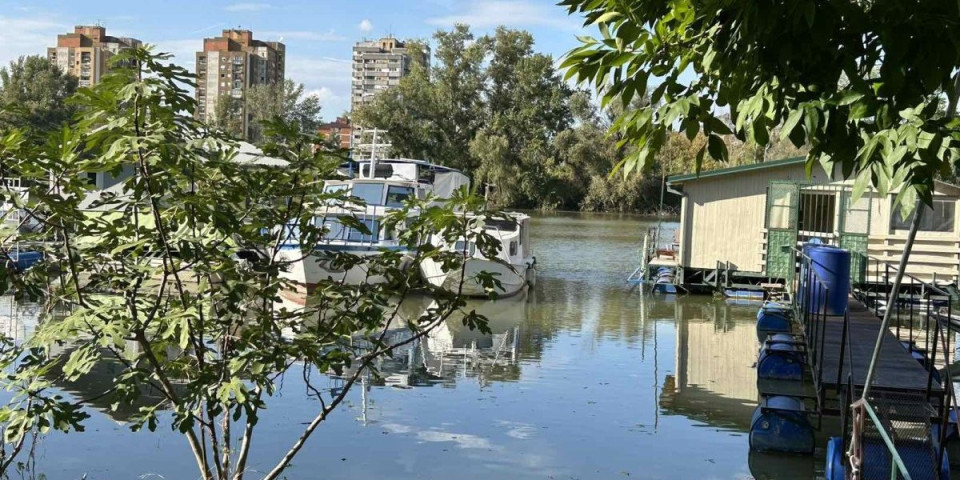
896	369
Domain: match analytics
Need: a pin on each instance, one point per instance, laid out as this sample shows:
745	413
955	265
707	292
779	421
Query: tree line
501	111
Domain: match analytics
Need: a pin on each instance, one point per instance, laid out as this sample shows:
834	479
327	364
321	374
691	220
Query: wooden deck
896	369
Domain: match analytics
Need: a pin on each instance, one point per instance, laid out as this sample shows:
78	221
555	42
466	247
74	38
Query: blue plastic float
781	361
780	424
772	318
836	466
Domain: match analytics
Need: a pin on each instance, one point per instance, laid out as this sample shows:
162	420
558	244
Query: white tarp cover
444	184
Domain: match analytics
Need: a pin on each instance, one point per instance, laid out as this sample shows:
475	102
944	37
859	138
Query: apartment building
86	52
377	66
232	63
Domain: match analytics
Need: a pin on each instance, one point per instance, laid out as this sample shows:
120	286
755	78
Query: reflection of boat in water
454	349
514	267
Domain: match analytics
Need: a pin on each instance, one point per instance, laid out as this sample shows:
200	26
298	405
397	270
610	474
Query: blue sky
318	33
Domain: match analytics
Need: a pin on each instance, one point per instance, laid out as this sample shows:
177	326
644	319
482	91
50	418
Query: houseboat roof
785	162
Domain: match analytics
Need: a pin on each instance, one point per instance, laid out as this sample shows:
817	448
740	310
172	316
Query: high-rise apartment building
232	63
378	65
86	51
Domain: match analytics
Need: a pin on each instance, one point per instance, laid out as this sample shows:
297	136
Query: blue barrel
836	466
780	424
804	275
832	265
780	361
771	321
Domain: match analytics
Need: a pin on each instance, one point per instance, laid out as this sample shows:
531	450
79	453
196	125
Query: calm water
583	378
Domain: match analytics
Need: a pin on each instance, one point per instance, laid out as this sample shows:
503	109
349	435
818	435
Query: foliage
859	82
490	106
176	276
287	100
228	116
33	95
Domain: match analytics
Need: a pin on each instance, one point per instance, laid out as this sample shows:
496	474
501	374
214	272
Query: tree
862	83
490	106
228	116
287	101
33	94
175	276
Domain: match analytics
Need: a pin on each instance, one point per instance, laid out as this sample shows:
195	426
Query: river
584	377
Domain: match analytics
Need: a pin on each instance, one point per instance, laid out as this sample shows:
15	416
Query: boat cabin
748	219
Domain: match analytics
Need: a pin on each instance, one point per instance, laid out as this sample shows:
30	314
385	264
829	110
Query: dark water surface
583	378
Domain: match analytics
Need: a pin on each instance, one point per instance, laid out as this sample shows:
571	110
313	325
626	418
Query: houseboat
514	267
380	186
740	226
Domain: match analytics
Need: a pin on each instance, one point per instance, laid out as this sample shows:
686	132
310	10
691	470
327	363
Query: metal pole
893	295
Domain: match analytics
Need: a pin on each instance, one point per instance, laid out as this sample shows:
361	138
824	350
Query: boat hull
512	281
307	273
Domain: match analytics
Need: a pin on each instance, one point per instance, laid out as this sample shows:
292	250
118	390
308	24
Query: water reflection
581	378
715	379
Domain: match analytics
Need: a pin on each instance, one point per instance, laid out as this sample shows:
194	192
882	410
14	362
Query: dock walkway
896	369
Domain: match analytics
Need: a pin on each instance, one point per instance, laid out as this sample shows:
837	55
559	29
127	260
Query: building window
818	212
940	218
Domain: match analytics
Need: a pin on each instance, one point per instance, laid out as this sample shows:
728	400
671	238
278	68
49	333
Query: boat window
397	194
940	218
513	248
370	193
335	229
470	249
338	187
818	211
502	225
372	225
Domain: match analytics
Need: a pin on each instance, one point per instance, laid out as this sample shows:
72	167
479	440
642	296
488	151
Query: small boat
383	186
514	267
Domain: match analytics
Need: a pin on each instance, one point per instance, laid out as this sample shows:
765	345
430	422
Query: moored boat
514	267
379	187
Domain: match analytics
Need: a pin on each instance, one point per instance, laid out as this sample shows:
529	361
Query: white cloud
247	7
365	26
328	78
328	36
184	51
524	13
28	36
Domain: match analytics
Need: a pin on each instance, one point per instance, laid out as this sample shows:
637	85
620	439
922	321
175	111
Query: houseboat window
370	193
938	219
397	194
357	236
818	211
513	248
332	189
502	225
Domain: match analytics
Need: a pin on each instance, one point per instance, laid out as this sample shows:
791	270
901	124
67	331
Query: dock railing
877	429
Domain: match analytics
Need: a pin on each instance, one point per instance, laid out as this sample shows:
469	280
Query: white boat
514	267
383	186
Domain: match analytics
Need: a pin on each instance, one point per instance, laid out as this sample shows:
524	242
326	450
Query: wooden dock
896	369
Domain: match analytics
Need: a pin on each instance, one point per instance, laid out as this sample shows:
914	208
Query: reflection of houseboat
379	188
514	267
714	378
739	225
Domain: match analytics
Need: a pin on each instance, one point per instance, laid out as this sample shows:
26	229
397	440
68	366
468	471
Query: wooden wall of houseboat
722	219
